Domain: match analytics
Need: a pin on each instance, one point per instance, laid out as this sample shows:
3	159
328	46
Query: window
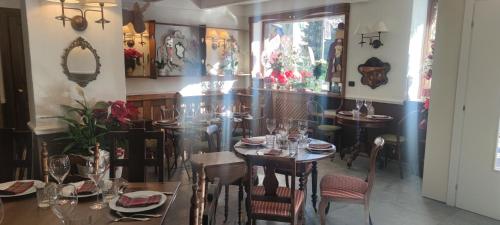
294	48
426	78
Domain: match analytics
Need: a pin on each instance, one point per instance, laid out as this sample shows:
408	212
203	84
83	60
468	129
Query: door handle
20	90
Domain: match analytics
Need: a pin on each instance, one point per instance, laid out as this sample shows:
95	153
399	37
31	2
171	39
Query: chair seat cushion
276	208
393	138
341	186
328	128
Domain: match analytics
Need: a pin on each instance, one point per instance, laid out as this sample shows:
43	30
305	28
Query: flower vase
83	170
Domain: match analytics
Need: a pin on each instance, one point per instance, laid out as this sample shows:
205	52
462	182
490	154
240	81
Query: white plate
32	190
378	117
320	149
113	206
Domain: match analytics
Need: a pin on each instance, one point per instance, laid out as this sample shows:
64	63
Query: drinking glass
292	146
271	125
368	103
96	173
1	211
43	192
65	201
59	166
112	188
359	104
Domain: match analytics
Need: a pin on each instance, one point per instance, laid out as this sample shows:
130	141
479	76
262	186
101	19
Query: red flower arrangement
305	74
132	53
289	74
122	112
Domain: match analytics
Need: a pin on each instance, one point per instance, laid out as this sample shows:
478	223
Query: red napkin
129	202
87	188
252	141
320	146
273	152
17	188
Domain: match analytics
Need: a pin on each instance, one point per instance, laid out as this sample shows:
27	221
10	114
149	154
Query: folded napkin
252	141
320	146
273	152
17	188
87	188
167	121
134	202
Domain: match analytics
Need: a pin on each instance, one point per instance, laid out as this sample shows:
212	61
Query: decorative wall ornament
374	72
80	62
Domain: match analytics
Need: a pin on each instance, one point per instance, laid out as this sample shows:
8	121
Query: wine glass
59	166
271	125
359	104
96	173
64	201
1	211
287	124
368	103
302	126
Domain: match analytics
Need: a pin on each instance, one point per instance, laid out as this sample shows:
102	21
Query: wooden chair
16	154
204	198
168	113
396	138
271	202
350	189
211	143
316	113
135	161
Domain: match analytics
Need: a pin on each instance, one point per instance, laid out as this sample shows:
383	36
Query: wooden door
478	186
14	71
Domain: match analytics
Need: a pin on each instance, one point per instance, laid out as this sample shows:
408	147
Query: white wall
46	39
397	16
10	4
276	6
187	13
444	82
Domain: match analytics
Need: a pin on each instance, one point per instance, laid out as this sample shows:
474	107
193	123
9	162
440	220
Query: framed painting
178	50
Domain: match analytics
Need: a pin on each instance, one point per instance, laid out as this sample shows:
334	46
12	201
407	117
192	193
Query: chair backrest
315	111
45	162
378	144
16	154
255	126
213	138
135	160
270	182
168	113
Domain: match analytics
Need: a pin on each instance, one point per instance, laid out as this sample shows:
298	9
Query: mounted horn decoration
135	17
374	72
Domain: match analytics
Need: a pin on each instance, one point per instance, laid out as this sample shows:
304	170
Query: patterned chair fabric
277	208
346	187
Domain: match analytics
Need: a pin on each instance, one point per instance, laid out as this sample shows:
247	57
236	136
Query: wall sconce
79	22
130	35
219	39
375	40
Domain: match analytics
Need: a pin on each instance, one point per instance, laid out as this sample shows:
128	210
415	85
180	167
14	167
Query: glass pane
497	153
299	46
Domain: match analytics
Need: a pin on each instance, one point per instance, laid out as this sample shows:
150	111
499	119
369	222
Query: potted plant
87	125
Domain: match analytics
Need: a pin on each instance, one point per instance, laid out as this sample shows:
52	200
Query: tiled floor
394	202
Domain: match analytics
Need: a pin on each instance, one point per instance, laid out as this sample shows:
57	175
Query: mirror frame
81	79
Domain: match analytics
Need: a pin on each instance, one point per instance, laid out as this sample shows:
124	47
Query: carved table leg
301	183
314	195
226	202
359	146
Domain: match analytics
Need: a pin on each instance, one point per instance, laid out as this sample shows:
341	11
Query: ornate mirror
80	62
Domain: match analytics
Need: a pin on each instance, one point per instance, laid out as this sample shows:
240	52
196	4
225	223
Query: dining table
302	156
23	210
361	123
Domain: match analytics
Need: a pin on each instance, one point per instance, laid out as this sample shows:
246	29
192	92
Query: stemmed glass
65	201
359	104
368	105
271	125
96	173
302	126
287	124
1	211
59	166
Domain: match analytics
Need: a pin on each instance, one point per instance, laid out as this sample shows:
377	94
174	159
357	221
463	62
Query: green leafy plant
84	127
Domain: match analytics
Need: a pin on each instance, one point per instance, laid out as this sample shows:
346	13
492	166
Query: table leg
314	195
361	136
226	202
240	198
